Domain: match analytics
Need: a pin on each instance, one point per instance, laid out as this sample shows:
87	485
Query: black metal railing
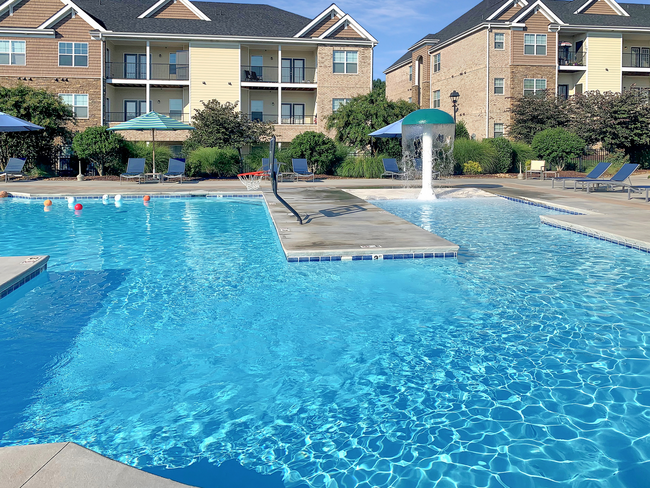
124	116
571	58
636	60
269	74
292	120
261	117
589	158
298	75
138	71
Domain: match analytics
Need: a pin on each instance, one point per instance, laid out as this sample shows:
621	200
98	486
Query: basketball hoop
251	180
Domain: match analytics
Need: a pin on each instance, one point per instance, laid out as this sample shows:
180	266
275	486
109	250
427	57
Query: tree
102	147
379	86
461	130
317	148
39	107
532	114
556	145
365	114
221	125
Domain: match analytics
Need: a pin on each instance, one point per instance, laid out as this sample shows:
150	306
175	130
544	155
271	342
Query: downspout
487	83
430	82
102	81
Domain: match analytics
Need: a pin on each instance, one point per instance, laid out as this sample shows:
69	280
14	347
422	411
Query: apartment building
500	50
113	60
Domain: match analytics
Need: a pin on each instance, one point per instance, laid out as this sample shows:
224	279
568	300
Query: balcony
269	74
570	58
293	120
636	60
138	71
115	117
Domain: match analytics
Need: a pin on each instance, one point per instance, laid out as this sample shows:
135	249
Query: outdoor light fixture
454	101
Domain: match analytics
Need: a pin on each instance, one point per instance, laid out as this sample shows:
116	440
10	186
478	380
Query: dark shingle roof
227	19
403	59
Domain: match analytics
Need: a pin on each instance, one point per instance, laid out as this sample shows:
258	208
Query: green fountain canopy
428	116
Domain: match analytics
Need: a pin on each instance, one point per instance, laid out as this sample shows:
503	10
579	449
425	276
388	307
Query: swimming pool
177	332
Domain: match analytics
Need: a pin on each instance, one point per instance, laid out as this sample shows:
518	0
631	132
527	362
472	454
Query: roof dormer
602	7
174	9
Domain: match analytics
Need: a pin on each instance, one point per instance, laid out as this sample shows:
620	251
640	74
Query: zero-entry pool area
175	337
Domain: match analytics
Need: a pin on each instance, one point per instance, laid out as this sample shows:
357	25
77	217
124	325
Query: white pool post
427	165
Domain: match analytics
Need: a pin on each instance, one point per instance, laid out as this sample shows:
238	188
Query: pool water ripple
523	364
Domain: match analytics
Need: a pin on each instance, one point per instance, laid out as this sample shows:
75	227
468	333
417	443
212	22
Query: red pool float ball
78	206
146	198
47	203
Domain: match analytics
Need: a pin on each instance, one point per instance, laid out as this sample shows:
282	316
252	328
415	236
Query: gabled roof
612	3
68	7
161	3
405	60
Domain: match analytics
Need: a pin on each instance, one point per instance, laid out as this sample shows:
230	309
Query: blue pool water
177	336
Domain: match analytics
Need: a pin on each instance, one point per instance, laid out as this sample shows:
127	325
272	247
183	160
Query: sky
396	24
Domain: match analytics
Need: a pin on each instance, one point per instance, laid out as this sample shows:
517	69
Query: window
410	73
176	108
436	63
498	130
499	40
338	102
73	54
257	67
534	85
257	110
410	99
12	52
535	44
79	103
345	61
172	63
498	86
436	99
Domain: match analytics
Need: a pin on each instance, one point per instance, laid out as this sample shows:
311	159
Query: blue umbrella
392	131
9	123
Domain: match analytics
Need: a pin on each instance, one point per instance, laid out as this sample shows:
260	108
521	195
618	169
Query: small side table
154	176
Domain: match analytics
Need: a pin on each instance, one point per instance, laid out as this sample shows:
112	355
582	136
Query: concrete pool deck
15	271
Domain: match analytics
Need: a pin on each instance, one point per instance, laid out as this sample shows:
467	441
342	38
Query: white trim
6	5
158	5
394	67
505	7
353	23
58	54
320	17
87	18
13	32
612	3
542	8
56	17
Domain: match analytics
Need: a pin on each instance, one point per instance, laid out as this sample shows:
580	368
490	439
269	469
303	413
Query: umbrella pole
153	150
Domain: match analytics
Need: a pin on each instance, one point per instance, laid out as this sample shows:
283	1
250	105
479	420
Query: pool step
15	271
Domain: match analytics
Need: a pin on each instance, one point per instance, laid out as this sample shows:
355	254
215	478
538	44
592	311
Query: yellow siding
604	58
214	73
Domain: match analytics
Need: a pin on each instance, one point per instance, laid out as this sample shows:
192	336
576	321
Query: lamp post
454	101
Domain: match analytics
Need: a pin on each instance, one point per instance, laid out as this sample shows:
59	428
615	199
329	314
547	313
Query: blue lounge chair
14	168
300	169
597	172
134	169
619	179
176	169
267	171
637	189
391	169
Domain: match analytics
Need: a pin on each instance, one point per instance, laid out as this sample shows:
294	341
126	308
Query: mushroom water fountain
428	135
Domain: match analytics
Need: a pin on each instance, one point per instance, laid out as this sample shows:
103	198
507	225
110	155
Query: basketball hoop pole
274	180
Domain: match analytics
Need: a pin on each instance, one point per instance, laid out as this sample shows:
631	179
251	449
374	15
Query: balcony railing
571	58
138	71
269	74
124	116
636	60
293	120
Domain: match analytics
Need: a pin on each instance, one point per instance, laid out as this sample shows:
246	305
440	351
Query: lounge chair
391	169
595	173
176	169
300	169
435	175
14	168
267	170
637	189
134	169
537	167
619	179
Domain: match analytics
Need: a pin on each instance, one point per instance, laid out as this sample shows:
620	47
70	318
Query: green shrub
141	149
461	130
362	167
466	150
40	172
472	168
521	152
317	148
213	161
503	161
557	145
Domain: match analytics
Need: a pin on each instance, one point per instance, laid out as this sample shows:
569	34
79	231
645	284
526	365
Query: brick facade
420	90
398	85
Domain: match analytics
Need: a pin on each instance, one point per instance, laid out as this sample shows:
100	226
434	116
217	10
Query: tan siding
216	65
346	33
322	26
535	24
511	12
600	7
175	10
31	13
604	58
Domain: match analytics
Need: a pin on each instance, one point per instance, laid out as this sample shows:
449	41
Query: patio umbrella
9	123
393	131
152	121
